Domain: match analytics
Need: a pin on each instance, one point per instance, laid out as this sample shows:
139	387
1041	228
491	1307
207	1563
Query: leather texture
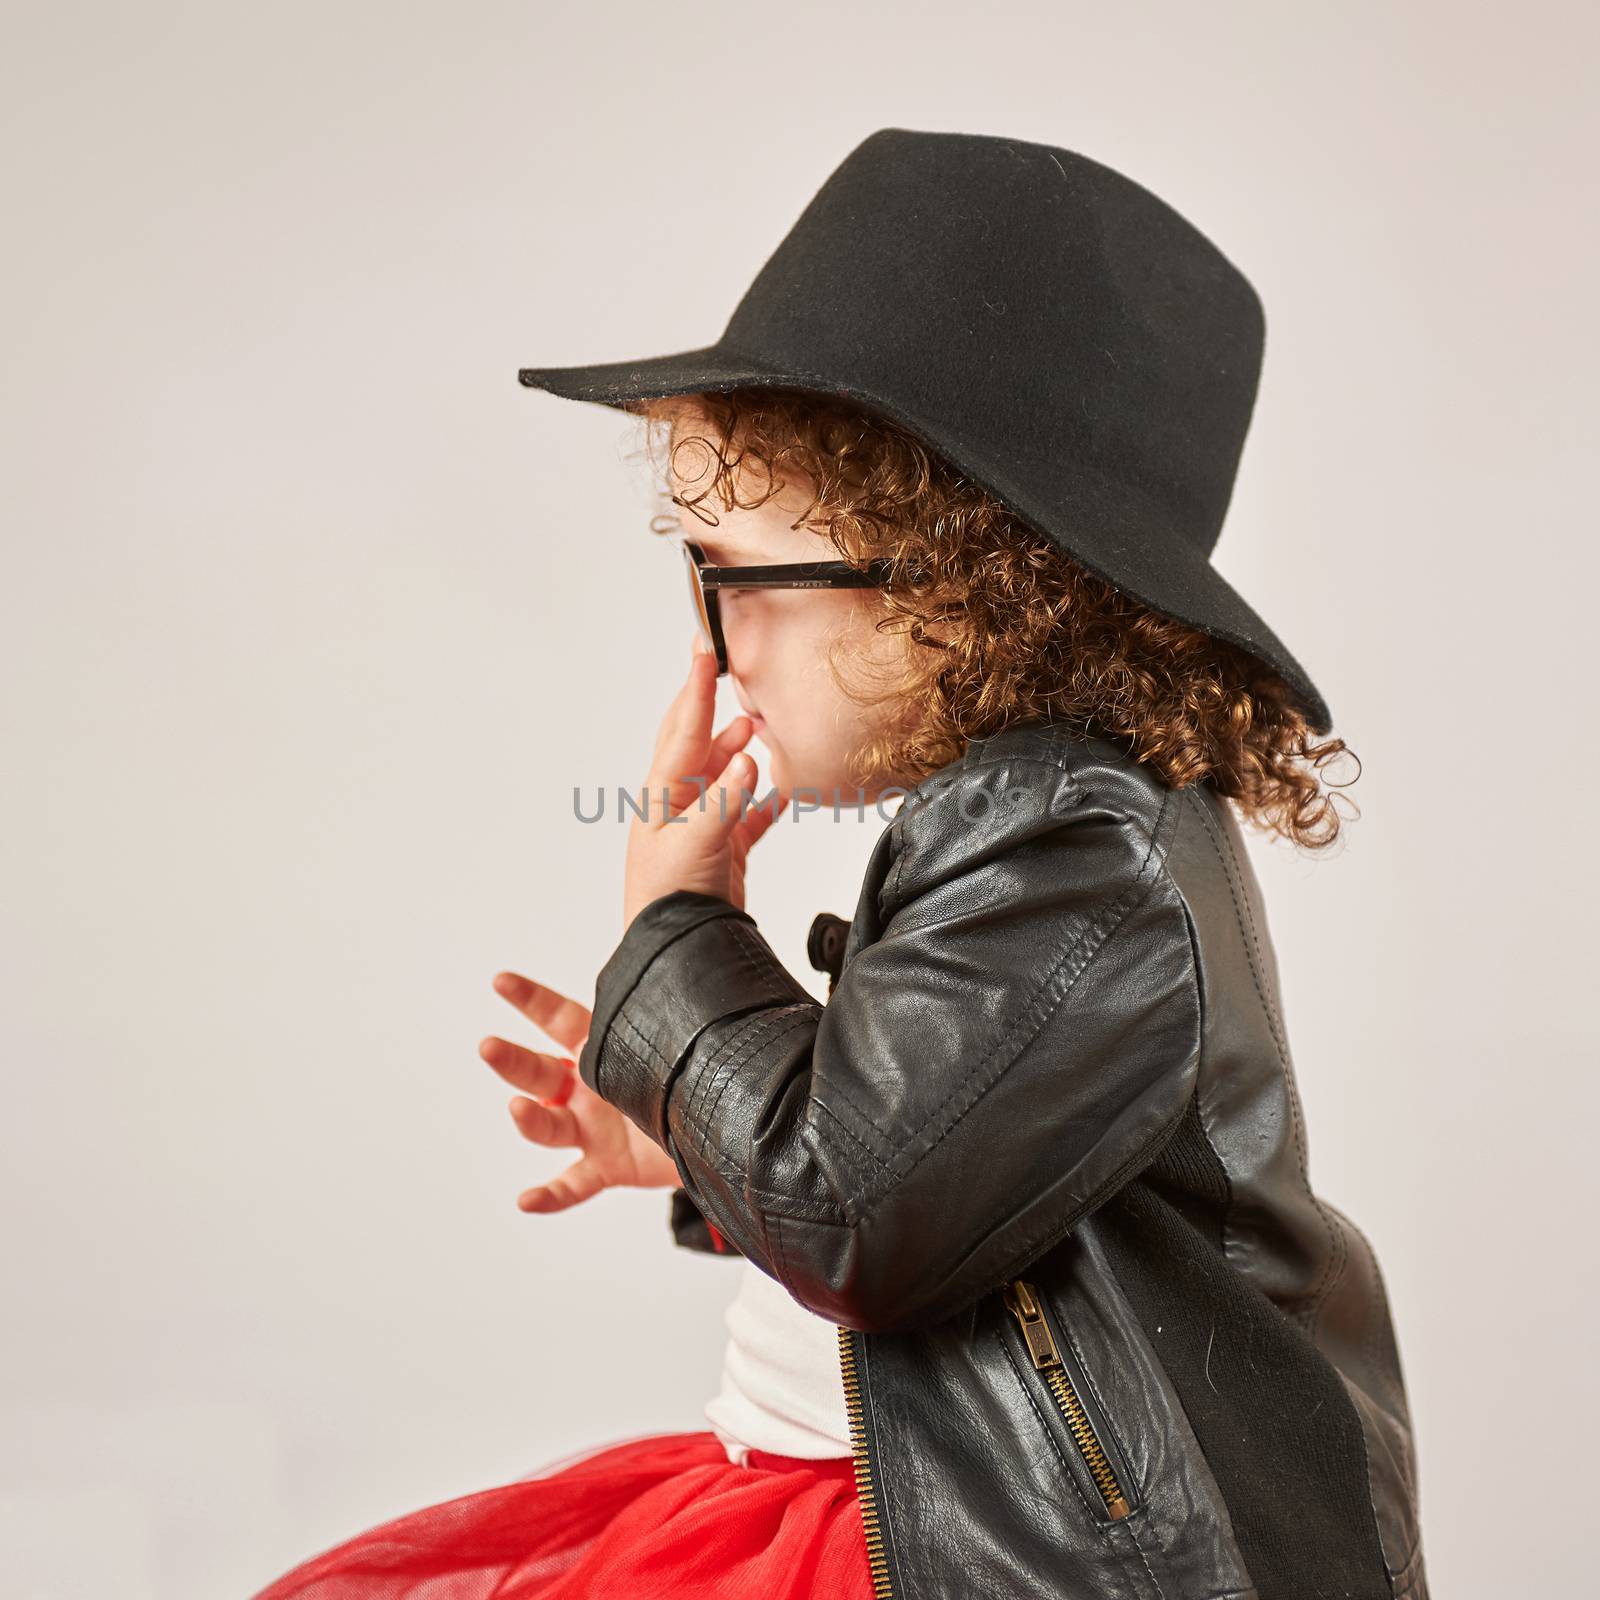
1054	1048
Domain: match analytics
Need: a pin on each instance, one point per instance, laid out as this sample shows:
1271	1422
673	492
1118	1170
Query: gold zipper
870	1519
1027	1308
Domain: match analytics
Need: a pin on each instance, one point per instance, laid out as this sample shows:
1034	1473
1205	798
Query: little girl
1037	1297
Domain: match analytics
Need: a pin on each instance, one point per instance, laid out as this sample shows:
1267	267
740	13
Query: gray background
312	619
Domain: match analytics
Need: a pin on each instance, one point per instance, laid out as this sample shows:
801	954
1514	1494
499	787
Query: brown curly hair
1003	625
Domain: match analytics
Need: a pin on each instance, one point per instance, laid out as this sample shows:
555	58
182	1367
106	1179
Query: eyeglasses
706	580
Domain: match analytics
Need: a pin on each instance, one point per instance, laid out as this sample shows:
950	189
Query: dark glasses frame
705	580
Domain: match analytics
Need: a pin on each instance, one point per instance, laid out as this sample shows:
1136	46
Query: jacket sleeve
692	1231
1016	1034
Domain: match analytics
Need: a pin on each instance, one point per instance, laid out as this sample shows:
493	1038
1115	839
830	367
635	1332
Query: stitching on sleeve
780	1259
779	1029
702	1127
710	1075
855	1139
725	910
866	1130
785	1205
610	1049
731	1055
758	957
652	1055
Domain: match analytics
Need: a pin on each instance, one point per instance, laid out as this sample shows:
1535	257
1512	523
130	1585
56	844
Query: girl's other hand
704	845
563	1110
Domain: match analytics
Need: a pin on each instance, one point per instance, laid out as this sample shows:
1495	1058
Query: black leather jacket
1041	1158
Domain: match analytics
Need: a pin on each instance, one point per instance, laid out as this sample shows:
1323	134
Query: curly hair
1003	626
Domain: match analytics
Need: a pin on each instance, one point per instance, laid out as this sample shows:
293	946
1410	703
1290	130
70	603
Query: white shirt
782	1387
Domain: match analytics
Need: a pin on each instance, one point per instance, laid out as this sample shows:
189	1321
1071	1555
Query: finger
579	1182
730	796
712	827
685	734
691	785
684	745
551	1078
698	793
548	1125
757	819
732	738
691	690
562	1018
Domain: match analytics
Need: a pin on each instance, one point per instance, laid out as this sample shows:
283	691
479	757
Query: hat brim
1179	580
708	369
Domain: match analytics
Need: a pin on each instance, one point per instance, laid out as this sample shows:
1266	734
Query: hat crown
1059	335
1027	297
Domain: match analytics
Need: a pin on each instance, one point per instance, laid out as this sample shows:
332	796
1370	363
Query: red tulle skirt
662	1517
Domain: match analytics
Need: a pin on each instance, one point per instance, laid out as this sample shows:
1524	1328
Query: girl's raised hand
563	1111
701	840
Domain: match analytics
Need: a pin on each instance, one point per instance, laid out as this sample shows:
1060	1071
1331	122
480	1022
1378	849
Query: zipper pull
1024	1305
1027	1308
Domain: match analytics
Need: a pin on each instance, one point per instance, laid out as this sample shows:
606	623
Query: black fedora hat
1054	330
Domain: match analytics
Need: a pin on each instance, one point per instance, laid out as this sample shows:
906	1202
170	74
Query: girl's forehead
746	534
730	532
